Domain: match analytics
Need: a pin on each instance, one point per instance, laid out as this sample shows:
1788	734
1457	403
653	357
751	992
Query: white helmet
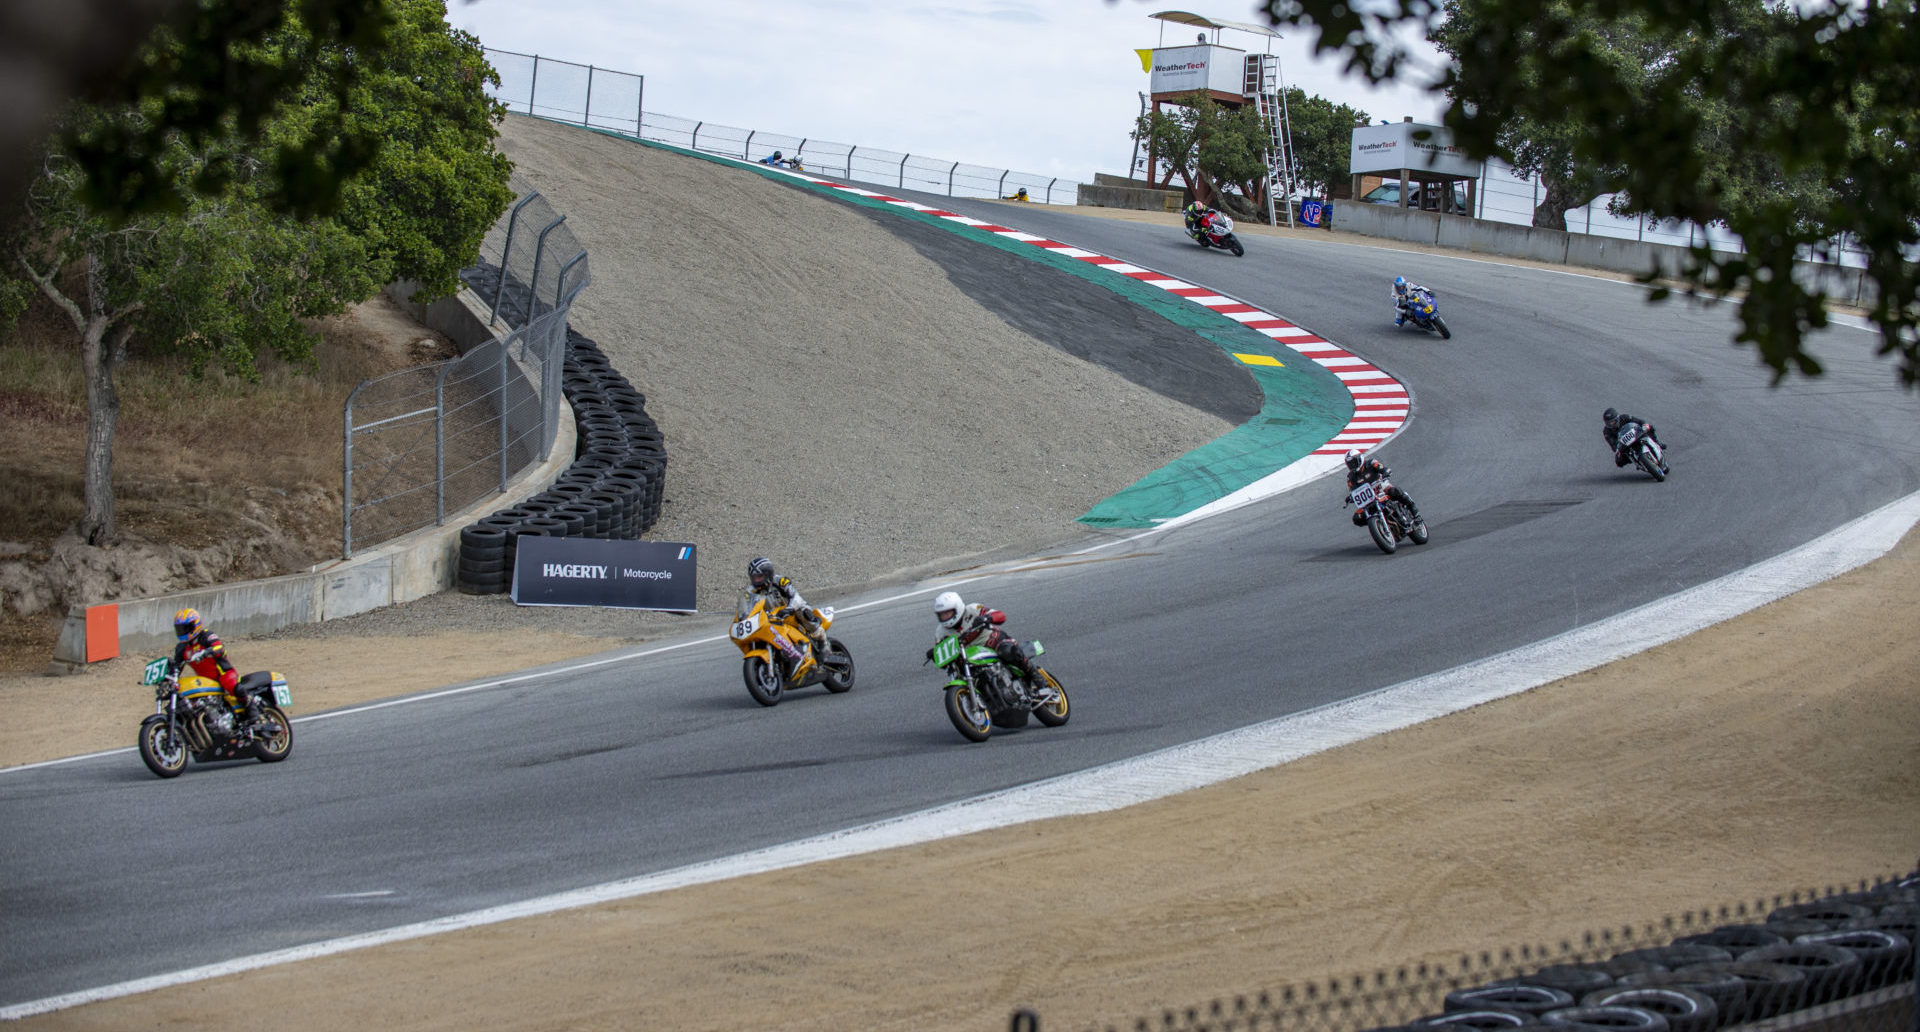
1353	459
947	608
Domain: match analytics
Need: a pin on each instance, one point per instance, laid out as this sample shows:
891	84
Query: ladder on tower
1264	89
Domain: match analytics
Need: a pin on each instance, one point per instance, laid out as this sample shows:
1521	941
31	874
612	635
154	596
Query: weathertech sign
595	572
1185	69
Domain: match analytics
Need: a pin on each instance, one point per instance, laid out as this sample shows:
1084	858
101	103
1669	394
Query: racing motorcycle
1640	447
1387	519
778	654
192	719
983	694
1424	315
1216	230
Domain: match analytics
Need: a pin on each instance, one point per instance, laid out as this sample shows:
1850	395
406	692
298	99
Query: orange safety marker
103	632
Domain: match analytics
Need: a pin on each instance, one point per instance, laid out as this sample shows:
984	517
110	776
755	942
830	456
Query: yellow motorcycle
192	718
779	654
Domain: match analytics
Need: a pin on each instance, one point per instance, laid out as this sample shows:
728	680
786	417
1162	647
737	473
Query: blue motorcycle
1424	314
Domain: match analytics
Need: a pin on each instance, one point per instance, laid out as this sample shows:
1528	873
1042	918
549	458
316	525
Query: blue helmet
1399	284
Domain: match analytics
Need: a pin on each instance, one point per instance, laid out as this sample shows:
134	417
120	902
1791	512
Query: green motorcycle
983	694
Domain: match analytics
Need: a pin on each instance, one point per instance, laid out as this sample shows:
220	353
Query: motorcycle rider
1403	299
1197	215
1362	470
973	621
201	649
761	580
1610	423
774	159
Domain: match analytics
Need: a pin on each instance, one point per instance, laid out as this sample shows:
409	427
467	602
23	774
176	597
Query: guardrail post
506	255
533	281
950	178
903	170
586	112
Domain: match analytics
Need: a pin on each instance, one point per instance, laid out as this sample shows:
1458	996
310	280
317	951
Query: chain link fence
1838	961
601	98
427	441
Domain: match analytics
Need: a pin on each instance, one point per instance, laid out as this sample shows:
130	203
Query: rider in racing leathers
202	650
1361	470
761	580
1197	214
975	621
1403	298
1610	423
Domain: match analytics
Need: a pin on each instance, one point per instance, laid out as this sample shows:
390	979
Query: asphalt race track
402	814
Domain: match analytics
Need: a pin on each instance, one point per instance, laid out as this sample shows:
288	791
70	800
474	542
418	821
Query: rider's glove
929	655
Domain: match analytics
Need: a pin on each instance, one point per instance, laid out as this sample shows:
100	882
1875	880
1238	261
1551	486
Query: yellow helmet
187	623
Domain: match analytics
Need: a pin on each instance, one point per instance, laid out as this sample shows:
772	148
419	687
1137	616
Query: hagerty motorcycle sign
560	571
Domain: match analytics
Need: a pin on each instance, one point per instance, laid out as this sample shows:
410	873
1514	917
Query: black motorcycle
192	719
1388	519
1633	441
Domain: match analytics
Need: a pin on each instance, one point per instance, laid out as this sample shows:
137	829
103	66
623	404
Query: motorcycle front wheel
1644	457
969	714
1441	325
274	746
1054	713
1418	535
763	681
163	751
839	676
1382	536
1234	243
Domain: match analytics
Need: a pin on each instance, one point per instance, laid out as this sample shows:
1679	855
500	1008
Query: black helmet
1610	417
1353	459
760	573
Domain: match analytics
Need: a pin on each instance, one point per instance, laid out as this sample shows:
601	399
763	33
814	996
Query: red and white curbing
1381	403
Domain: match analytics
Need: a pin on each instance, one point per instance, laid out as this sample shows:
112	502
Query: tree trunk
1561	197
98	358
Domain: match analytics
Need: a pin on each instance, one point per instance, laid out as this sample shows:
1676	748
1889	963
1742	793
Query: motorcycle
778	654
1634	441
192	719
1216	230
1423	314
983	694
1388	520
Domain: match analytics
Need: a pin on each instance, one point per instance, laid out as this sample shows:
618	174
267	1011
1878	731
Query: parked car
1389	193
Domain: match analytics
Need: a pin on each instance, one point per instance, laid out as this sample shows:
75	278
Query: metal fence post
586	111
850	151
1589	218
346	479
440	445
564	269
903	169
695	145
1000	189
506	254
950	178
1640	227
501	408
533	84
640	109
746	149
539	252
1050	183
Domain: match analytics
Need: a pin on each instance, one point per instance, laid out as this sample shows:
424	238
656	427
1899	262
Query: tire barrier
1801	956
613	489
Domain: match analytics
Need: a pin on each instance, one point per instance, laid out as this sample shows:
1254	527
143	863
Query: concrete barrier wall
411	566
1136	198
1634	257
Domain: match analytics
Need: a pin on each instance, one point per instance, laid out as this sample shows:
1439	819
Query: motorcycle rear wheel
839	677
163	751
763	681
1377	526
969	714
277	747
1054	713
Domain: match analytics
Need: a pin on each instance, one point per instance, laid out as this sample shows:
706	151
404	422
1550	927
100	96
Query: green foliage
1322	139
1788	125
1206	143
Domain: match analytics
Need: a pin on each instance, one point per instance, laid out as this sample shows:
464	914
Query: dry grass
186	449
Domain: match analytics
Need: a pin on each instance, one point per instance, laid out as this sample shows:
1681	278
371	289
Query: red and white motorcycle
1216	230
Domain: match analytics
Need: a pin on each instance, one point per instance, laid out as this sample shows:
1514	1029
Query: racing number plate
1363	495
155	672
282	695
946	650
1628	435
745	628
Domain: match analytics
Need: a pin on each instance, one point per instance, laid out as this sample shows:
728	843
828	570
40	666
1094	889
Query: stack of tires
1801	956
612	489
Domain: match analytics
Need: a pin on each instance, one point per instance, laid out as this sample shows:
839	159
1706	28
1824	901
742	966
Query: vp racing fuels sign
557	571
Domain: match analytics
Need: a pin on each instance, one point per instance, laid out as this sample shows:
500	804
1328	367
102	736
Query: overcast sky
1043	86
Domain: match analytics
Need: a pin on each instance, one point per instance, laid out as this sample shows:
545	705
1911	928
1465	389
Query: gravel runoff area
1775	751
